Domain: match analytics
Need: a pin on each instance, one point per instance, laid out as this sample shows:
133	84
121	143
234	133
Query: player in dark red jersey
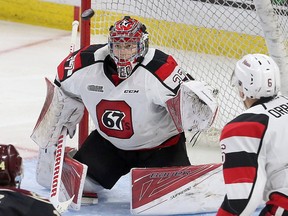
139	99
13	200
254	144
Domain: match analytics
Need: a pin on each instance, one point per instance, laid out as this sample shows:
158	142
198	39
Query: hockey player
254	144
139	99
13	200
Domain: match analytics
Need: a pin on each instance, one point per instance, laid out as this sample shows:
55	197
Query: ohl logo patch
115	119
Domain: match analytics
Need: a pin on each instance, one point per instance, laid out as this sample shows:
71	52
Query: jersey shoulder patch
77	60
165	68
161	65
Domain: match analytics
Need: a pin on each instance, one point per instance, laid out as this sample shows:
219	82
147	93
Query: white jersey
255	148
132	114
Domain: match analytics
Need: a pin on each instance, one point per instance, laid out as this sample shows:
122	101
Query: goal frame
84	41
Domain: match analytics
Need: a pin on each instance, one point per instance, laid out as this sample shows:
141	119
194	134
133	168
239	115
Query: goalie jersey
130	113
254	148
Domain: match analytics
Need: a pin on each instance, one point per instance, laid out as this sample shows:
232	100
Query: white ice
27	55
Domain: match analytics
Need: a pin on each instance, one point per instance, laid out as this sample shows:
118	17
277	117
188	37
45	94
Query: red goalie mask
128	43
10	166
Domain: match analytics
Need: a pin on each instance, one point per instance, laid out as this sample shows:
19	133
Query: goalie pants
106	163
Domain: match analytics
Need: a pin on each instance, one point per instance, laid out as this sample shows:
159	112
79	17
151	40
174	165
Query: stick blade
61	206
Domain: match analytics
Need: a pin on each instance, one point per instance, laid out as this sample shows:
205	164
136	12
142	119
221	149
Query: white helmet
258	76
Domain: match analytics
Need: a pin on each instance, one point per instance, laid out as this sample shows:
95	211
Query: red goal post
84	41
205	36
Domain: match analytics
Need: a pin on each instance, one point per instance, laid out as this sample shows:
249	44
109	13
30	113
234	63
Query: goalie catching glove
194	107
58	110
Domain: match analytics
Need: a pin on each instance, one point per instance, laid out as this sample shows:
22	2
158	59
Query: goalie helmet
257	76
10	166
128	44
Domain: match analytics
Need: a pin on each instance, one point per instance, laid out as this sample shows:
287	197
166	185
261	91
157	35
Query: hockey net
206	37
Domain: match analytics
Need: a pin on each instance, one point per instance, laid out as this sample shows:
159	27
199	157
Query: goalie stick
75	26
60	150
57	172
74	201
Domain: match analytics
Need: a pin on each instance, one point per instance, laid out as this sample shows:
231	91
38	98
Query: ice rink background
27	55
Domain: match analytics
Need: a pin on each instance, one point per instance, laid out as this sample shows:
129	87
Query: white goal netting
206	37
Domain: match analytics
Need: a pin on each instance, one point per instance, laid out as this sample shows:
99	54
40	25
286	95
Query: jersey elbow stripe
233	206
237	144
223	212
240	159
238	191
239	175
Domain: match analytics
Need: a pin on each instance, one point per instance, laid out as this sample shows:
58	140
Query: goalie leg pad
191	189
72	179
45	166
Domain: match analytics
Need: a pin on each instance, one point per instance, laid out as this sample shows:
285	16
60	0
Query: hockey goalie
140	101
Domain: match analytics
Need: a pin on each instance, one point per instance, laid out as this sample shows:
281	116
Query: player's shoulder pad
79	59
251	117
165	68
159	63
243	124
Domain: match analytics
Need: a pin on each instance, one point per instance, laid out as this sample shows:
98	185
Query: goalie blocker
59	110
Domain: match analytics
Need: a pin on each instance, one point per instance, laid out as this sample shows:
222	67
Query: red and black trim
162	66
160	62
241	167
77	60
231	207
278	202
170	142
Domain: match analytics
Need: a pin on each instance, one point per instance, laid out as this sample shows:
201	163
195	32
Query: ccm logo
131	91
